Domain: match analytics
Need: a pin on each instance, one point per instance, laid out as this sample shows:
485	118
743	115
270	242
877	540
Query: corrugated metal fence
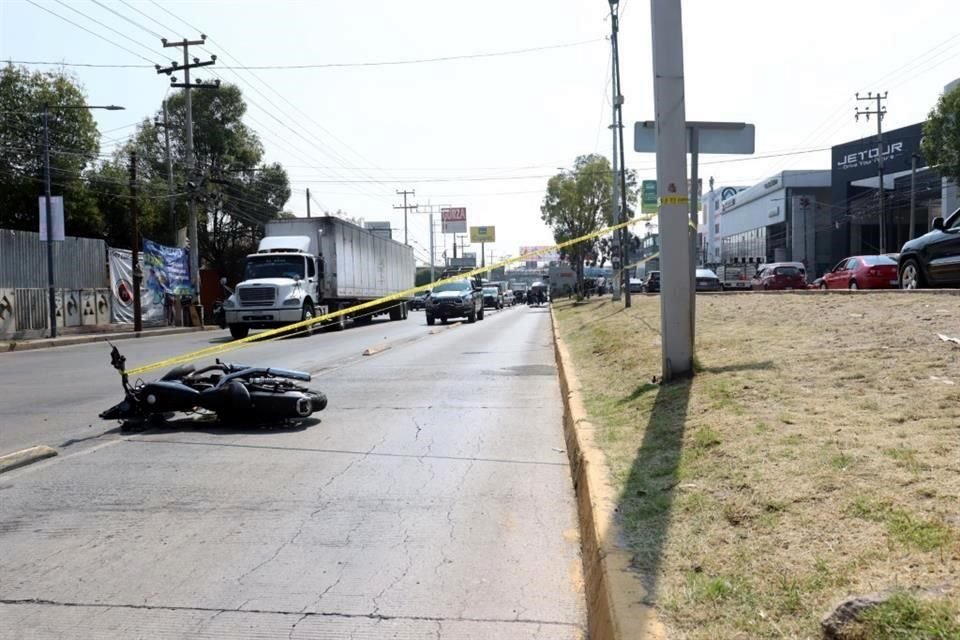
79	263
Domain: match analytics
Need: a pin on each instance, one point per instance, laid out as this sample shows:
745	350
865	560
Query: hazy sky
486	133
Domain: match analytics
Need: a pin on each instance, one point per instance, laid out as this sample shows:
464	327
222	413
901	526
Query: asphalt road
433	500
53	396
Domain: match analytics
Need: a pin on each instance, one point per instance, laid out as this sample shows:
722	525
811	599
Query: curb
49	343
24	457
615	595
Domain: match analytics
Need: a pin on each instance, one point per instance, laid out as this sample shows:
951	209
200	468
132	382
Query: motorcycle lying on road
234	393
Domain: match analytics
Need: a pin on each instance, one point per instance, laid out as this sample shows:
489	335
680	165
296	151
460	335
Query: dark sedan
419	300
707	280
933	259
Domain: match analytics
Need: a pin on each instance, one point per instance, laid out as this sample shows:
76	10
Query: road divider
398	297
372	351
24	457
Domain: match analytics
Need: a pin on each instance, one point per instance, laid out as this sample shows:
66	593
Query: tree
235	193
74	145
941	136
578	202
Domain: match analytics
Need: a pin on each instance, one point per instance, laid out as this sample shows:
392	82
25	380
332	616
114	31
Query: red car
778	277
862	272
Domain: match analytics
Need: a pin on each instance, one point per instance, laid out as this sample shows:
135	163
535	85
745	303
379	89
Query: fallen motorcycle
234	393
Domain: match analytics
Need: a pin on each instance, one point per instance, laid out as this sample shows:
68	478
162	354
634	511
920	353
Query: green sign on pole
648	196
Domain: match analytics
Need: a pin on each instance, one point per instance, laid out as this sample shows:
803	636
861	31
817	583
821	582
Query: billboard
550	254
483	234
454	219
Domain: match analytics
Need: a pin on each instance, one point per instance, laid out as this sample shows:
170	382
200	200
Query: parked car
420	300
652	282
707	280
779	276
457	299
862	272
636	285
933	259
799	265
492	298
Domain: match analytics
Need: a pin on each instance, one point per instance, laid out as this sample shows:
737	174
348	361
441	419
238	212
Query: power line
94	33
333	65
127	19
108	28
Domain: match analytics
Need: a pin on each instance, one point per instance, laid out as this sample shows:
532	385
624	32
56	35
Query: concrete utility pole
165	125
676	323
135	245
405	208
880	112
618	264
186	85
308	202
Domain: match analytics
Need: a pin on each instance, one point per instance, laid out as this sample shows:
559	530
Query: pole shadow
646	503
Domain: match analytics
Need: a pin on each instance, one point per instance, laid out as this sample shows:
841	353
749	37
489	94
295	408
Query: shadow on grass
766	365
647	498
643	389
646	504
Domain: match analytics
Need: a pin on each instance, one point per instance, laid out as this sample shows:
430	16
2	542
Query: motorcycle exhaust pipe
291	404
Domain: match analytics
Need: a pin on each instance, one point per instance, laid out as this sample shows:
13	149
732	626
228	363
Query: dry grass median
815	456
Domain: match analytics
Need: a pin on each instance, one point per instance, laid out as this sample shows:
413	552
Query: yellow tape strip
275	333
674	200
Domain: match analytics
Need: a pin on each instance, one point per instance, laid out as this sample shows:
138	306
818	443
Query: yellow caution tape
674	200
287	329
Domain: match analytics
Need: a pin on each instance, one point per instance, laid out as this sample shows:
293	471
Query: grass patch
775	482
922	534
906	617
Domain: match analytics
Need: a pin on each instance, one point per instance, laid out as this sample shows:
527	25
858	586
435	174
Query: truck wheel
239	331
308	314
396	312
430	320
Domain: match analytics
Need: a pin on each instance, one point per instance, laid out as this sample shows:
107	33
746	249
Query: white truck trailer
304	268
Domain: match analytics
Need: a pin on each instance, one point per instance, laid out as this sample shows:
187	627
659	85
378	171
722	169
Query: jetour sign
869	156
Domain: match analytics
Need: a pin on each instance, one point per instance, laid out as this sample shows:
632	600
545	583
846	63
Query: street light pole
52	298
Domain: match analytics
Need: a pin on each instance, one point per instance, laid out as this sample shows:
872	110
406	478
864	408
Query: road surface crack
276	612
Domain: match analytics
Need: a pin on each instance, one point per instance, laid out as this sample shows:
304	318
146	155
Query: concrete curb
615	595
67	341
24	457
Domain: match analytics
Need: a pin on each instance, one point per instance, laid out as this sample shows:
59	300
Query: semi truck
307	267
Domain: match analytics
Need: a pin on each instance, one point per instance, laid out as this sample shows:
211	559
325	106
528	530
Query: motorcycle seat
178	372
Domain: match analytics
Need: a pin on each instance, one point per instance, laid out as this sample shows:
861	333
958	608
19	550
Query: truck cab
281	285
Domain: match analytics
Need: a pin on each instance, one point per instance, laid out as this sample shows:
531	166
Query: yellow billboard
483	234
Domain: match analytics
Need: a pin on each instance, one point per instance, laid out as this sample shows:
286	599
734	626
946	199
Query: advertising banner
454	219
550	256
121	287
166	270
483	234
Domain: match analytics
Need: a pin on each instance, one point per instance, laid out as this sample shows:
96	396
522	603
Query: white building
778	219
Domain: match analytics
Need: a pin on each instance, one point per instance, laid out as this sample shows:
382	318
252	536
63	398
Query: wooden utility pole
135	245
